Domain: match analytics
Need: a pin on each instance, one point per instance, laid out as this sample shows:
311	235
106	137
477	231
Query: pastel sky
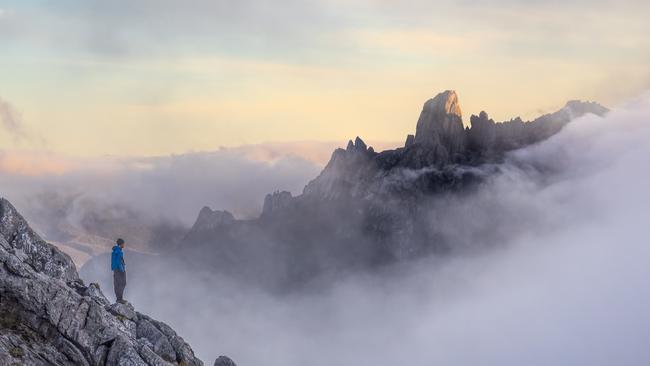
154	77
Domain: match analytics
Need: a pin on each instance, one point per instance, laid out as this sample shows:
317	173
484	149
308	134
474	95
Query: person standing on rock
118	266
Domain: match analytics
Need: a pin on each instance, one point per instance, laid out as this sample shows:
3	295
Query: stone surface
48	316
125	311
276	201
439	130
410	140
209	219
224	361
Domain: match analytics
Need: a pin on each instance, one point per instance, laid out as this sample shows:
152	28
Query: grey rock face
224	361
209	219
125	311
48	316
276	201
344	170
30	249
482	135
410	140
440	128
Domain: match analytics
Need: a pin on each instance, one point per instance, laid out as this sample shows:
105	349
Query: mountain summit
441	123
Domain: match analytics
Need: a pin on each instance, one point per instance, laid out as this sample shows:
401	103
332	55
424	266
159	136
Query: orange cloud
33	163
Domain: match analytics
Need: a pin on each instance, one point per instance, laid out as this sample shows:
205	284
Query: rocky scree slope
48	316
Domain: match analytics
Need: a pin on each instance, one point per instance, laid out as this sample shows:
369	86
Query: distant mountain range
367	208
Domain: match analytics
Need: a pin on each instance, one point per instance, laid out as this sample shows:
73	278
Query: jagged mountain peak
445	102
357	145
440	119
209	219
439	133
578	107
276	201
440	140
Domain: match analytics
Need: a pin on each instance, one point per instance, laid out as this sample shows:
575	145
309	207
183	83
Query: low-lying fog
568	286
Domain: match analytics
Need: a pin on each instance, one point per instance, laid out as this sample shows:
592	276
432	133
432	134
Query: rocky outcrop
48	316
410	140
488	139
29	248
344	170
209	219
439	130
224	361
276	201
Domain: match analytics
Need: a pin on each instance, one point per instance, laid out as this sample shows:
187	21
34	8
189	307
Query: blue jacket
117	259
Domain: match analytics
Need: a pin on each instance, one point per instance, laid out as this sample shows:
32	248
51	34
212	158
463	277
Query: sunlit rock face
439	131
48	316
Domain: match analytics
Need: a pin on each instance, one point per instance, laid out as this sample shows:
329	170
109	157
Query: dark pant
119	283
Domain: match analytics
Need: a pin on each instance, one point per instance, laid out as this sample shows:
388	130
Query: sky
148	78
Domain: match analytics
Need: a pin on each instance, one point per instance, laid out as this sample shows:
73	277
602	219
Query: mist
563	281
11	121
82	205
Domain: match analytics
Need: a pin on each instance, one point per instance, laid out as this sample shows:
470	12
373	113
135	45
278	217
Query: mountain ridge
367	209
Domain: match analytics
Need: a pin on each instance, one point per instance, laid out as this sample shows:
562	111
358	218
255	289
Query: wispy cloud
11	120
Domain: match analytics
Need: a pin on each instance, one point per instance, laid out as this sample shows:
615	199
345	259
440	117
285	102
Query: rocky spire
410	139
439	135
440	120
357	145
276	201
209	219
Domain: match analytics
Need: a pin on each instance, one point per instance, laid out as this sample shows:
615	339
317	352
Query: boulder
224	361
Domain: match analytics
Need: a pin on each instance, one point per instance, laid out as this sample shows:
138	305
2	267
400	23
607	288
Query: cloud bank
138	197
566	286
